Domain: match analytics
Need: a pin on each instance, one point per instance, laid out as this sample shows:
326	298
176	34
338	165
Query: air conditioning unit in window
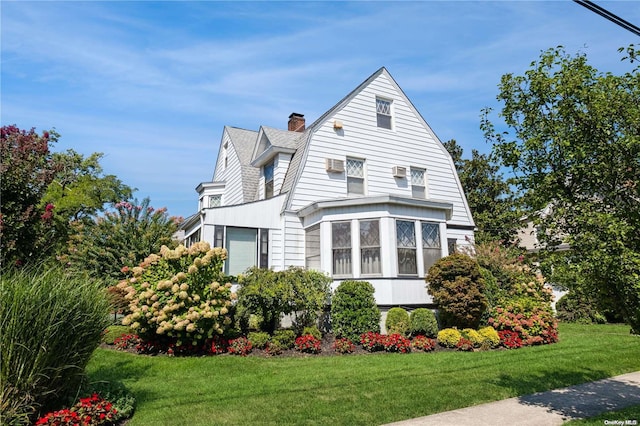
333	165
399	171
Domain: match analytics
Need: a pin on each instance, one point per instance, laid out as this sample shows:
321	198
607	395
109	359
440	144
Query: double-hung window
355	176
418	183
341	246
383	113
312	247
406	245
369	247
268	180
431	250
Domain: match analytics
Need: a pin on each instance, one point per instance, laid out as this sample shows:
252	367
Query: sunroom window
431	250
369	247
341	245
406	246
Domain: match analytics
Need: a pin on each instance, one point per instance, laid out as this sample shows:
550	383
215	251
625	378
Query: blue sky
151	84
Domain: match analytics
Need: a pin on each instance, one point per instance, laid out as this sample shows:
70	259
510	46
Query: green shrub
457	286
180	296
295	291
259	339
354	310
473	336
577	307
113	332
449	337
284	338
51	324
117	394
490	336
397	321
423	323
313	330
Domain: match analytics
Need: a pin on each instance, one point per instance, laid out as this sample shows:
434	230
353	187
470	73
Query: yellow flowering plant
179	297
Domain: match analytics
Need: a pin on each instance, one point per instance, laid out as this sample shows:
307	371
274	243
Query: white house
366	192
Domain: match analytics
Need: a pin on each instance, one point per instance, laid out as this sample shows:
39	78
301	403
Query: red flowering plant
343	346
396	343
90	411
308	343
126	341
464	345
240	346
423	343
509	339
372	341
534	325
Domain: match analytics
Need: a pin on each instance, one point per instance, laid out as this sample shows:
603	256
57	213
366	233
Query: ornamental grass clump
51	324
180	296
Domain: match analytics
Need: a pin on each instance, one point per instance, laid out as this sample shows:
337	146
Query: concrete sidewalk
545	408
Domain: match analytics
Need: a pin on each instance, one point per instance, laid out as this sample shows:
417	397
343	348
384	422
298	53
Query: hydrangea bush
180	296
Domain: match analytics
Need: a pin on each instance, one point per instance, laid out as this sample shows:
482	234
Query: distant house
366	192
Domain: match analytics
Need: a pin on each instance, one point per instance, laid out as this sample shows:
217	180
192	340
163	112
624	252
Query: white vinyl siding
410	143
228	170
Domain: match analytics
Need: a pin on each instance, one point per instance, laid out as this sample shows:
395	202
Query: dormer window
215	200
268	180
383	113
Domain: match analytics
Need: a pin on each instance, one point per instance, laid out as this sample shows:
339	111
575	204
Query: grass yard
358	389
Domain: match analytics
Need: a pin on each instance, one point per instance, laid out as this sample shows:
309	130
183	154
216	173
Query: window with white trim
341	247
383	113
418	183
370	247
406	246
268	180
355	176
431	250
215	200
312	247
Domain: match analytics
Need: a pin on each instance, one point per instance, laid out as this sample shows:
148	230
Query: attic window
383	113
417	183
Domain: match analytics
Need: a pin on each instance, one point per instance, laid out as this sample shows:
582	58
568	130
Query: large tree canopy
573	145
489	195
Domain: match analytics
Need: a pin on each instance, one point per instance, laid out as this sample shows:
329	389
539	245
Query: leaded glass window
355	176
369	247
431	251
406	245
383	113
341	245
417	183
215	200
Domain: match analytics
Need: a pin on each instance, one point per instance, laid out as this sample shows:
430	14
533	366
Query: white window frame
375	266
384	113
413	247
431	248
354	179
345	251
268	182
418	186
212	200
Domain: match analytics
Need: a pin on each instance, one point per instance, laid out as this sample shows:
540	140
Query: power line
608	15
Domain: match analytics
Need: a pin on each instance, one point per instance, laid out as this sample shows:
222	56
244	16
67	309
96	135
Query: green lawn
364	389
627	416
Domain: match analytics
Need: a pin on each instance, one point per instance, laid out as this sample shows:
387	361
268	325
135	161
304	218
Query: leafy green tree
110	245
573	145
489	195
79	191
27	169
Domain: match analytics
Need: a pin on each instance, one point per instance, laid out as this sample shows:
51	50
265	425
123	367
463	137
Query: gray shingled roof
244	142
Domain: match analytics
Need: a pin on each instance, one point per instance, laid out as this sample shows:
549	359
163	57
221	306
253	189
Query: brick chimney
296	122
